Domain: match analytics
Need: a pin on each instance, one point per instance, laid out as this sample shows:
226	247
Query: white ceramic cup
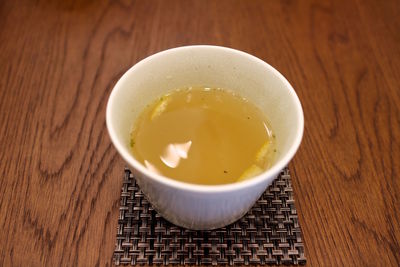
204	206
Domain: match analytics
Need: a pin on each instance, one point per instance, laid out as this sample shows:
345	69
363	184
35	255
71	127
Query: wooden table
61	177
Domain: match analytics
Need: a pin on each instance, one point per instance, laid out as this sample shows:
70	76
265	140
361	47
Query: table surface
61	177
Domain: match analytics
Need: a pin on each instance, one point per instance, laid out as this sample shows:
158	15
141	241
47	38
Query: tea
203	136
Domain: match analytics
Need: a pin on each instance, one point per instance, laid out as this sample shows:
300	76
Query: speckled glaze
200	206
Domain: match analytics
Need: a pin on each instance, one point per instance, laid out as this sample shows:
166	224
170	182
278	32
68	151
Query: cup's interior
212	67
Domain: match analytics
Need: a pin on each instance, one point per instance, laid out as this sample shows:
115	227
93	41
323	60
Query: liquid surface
203	136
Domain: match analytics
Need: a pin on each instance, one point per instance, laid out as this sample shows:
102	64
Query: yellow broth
203	136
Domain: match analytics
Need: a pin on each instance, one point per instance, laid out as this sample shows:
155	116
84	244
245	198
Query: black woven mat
268	234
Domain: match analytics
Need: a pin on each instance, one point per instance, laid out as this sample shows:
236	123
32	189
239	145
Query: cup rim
276	168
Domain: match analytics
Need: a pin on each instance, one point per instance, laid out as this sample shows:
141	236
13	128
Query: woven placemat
268	234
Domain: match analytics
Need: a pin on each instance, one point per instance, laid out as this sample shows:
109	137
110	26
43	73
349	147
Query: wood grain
60	176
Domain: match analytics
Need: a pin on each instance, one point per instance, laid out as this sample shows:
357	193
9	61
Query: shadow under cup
205	206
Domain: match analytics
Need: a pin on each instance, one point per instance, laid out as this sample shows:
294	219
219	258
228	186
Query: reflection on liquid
173	153
267	129
151	167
